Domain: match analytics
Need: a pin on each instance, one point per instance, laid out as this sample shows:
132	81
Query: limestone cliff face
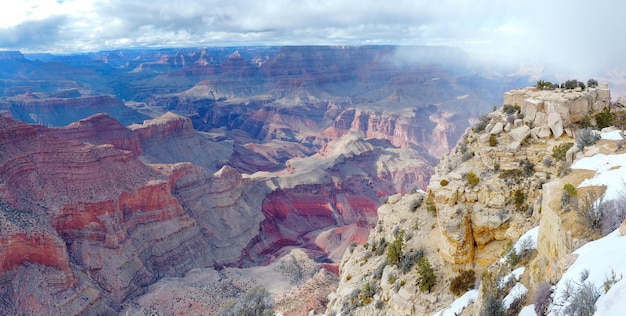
471	216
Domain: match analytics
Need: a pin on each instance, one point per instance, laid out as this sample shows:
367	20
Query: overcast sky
560	33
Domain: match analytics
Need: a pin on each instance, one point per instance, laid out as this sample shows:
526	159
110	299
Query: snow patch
516	292
613	135
600	258
459	304
609	172
528	311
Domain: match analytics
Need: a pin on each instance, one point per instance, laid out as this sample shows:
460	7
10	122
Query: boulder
520	133
507	127
555	122
497	128
622	228
518	123
513	147
570	155
540	118
543	132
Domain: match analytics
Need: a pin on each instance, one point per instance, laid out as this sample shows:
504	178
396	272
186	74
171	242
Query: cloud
570	37
38	34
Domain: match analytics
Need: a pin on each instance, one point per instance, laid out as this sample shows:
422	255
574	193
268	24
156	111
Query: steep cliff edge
504	181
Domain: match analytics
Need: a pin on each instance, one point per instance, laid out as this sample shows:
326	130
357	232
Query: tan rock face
470	216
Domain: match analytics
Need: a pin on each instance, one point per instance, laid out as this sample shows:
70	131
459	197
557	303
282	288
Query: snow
613	135
528	311
532	234
459	304
600	257
520	243
515	275
609	172
517	291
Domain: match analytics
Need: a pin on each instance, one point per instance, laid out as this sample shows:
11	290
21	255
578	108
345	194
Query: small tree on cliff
426	278
394	250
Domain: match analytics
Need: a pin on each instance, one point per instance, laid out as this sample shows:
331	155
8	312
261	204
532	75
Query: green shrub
570	84
430	205
472	179
519	198
426	278
559	151
394	250
493	141
509	109
569	189
463	282
605	118
592	83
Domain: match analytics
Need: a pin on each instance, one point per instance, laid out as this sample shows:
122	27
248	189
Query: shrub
492	306
613	213
586	137
382	246
426	278
394	250
463	282
443	182
480	126
592	83
559	151
509	109
578	298
417	202
589	214
353	246
256	301
472	179
519	198
581	85
430	205
547	162
541	85
378	273
409	259
542	298
570	84
569	192
605	118
493	141
529	167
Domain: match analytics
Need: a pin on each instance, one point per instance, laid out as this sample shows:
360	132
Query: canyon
125	172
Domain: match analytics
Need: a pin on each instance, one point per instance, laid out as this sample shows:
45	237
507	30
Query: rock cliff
501	181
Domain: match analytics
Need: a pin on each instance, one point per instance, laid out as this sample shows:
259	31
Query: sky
563	34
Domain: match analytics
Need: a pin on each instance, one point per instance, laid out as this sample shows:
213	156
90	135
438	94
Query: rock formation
501	181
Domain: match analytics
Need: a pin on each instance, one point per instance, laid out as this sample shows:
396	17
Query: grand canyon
123	172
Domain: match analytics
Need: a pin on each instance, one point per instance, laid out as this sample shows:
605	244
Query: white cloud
572	36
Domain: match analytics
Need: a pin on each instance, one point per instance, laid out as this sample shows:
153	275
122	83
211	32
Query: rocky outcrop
560	108
171	138
471	215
